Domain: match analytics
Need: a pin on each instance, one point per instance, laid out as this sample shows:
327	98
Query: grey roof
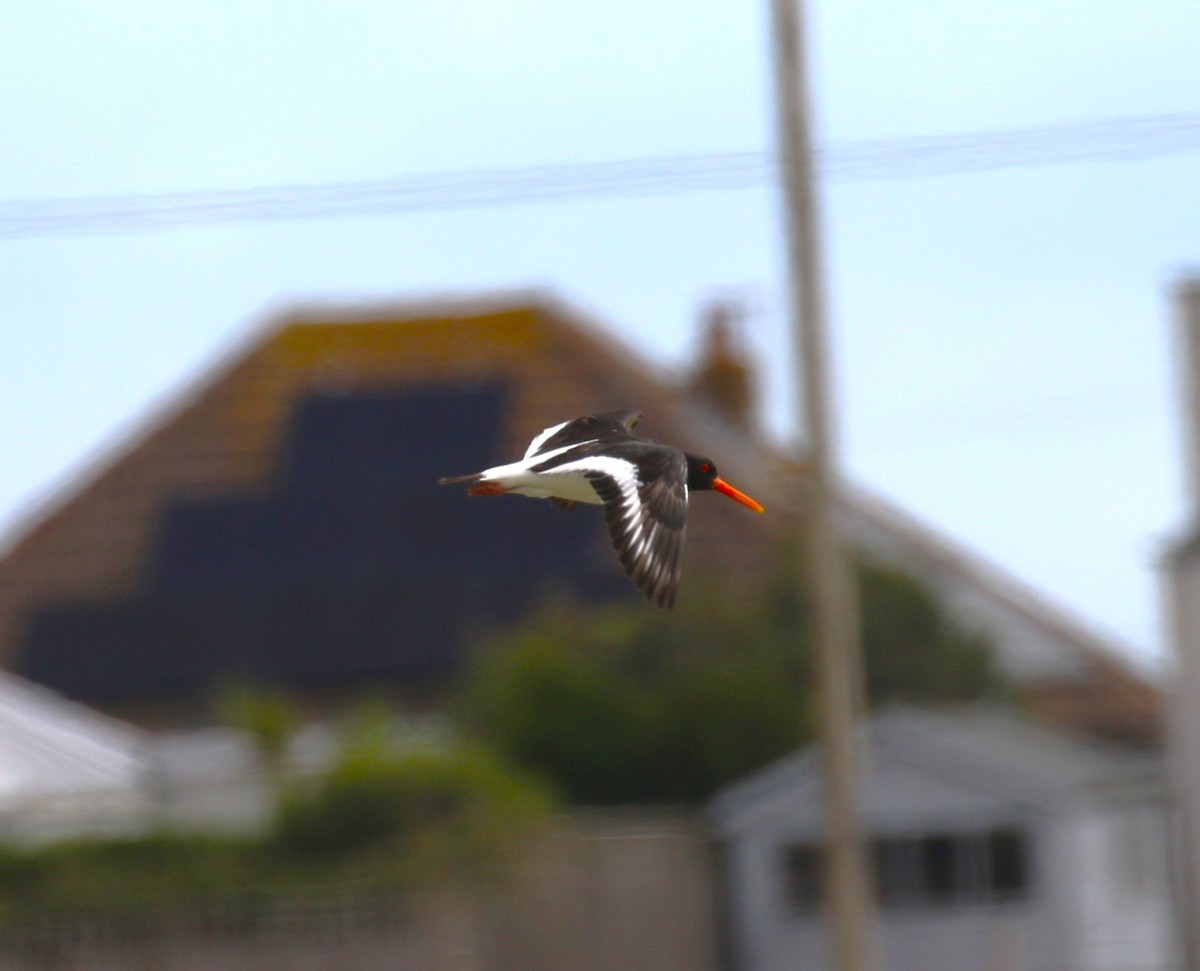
1034	636
984	749
49	745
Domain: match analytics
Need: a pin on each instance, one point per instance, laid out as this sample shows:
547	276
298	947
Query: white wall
1124	889
1099	897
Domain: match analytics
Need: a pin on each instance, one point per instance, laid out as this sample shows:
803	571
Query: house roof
52	746
1082	679
265	439
282	520
994	754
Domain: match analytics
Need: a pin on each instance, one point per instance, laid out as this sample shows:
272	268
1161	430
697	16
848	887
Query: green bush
128	874
388	814
410	804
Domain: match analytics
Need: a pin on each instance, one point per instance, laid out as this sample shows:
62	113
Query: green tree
264	713
628	705
620	705
915	651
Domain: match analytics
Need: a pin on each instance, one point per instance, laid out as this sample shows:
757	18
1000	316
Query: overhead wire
910	157
1048	414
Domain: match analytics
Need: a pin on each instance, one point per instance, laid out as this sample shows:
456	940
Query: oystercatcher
642	485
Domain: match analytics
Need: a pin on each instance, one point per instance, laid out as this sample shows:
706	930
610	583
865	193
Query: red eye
705	467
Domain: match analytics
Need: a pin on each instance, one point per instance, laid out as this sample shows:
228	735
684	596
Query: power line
1051	414
1113	139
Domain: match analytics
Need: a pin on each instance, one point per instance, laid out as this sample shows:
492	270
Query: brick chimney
722	377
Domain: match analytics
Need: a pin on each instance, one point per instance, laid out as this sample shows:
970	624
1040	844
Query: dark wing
645	505
606	425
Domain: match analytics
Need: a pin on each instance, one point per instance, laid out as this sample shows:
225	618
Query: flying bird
642	485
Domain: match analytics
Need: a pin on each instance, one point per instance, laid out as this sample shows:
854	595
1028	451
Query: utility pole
849	898
1181	574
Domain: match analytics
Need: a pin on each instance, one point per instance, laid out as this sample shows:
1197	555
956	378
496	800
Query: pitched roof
993	753
248	469
283	521
49	746
1080	678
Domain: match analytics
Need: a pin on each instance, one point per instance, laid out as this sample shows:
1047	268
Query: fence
599	893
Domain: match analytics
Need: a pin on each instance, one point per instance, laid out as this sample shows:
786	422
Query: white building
216	780
998	846
64	768
67	770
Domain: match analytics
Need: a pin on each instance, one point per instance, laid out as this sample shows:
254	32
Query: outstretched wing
645	505
590	428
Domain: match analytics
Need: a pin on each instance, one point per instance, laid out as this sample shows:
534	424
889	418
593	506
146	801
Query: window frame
933	870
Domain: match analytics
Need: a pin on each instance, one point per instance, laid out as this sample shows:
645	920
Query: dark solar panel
150	647
215	540
343	444
356	568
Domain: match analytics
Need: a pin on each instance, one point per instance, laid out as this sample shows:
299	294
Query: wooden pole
833	596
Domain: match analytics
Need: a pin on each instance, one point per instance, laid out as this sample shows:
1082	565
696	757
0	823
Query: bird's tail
461	479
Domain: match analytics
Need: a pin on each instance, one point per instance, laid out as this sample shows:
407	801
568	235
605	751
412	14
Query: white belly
543	485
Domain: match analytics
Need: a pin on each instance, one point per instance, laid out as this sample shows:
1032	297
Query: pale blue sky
1001	338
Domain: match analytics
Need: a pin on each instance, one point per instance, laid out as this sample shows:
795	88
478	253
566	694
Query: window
931	870
802	876
897	869
941	874
1007	863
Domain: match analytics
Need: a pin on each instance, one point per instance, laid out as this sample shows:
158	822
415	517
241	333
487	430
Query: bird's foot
487	489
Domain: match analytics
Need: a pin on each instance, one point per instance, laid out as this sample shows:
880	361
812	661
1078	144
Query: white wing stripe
521	467
541	438
622	472
650	548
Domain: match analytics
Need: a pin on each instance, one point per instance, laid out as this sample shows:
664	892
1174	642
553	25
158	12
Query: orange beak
723	487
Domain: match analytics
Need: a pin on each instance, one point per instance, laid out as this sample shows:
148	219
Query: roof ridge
946	551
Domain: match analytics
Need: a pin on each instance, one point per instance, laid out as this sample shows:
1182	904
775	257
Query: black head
702	474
